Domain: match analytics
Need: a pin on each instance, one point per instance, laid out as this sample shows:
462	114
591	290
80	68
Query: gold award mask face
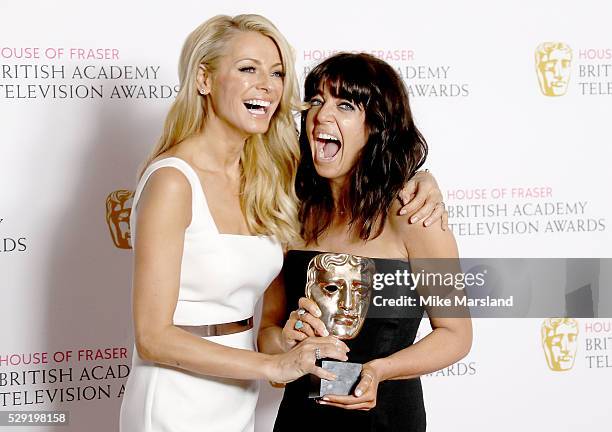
553	61
560	342
341	285
118	210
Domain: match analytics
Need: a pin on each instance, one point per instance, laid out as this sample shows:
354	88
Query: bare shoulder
168	182
167	194
421	241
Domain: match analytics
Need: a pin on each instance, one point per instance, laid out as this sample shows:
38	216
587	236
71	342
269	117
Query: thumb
363	385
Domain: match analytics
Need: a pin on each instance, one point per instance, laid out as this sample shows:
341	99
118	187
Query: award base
347	377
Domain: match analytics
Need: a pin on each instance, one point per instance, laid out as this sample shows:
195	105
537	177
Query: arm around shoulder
422	241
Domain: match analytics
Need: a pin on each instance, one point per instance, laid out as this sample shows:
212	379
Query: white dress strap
201	218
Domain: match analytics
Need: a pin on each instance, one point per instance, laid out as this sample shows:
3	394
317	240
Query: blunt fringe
394	151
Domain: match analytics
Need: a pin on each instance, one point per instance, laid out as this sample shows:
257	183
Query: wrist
381	368
269	367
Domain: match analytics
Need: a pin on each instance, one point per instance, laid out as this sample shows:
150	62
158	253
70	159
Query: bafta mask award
341	285
118	211
560	342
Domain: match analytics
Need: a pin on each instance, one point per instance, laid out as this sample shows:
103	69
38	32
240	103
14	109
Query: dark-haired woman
359	146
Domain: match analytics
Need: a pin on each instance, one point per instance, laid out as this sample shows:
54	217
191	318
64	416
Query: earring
202	91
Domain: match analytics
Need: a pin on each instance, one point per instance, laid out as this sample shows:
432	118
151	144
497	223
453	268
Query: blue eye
278	74
346	106
316	102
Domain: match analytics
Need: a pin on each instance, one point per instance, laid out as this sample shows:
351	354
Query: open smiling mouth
327	147
257	106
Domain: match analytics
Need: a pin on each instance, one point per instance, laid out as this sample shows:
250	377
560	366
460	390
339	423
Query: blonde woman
212	208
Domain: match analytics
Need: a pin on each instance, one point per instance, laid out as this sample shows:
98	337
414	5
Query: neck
220	146
338	189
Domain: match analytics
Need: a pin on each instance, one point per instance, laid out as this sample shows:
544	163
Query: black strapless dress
399	405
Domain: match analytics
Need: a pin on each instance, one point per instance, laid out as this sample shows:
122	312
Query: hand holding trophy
337	296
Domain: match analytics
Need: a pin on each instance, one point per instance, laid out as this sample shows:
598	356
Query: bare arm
273	312
164	212
451	338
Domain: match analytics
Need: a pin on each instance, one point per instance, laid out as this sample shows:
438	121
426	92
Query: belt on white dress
220	329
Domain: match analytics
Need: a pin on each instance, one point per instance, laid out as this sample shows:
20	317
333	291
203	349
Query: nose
324	113
264	83
347	301
557	70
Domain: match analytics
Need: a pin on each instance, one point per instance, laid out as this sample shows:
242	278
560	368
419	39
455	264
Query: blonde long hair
268	161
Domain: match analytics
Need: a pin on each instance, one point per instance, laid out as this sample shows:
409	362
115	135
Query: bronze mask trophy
341	285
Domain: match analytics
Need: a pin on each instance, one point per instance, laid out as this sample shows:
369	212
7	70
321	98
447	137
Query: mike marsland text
440	301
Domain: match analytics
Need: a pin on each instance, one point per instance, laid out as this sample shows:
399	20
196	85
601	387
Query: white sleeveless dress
222	278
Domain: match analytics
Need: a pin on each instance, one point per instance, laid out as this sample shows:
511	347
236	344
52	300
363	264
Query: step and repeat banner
514	99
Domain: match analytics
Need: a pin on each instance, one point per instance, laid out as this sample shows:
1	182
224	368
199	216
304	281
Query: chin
322	172
260	128
328	173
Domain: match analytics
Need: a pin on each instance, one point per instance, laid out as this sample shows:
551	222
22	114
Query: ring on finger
301	312
317	353
299	324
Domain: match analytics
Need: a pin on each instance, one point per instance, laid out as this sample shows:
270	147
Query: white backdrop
495	141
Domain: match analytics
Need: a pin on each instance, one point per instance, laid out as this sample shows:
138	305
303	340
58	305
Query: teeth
326	136
258	102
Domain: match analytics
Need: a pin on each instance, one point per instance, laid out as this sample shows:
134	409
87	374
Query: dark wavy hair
394	150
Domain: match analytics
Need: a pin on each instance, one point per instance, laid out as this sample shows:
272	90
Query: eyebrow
257	61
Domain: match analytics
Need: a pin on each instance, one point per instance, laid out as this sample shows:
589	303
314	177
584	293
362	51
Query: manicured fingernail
358	392
318	313
427	223
325	332
403	212
325	398
414	219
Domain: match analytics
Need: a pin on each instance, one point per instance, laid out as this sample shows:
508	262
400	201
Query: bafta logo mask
118	210
341	285
560	342
553	61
